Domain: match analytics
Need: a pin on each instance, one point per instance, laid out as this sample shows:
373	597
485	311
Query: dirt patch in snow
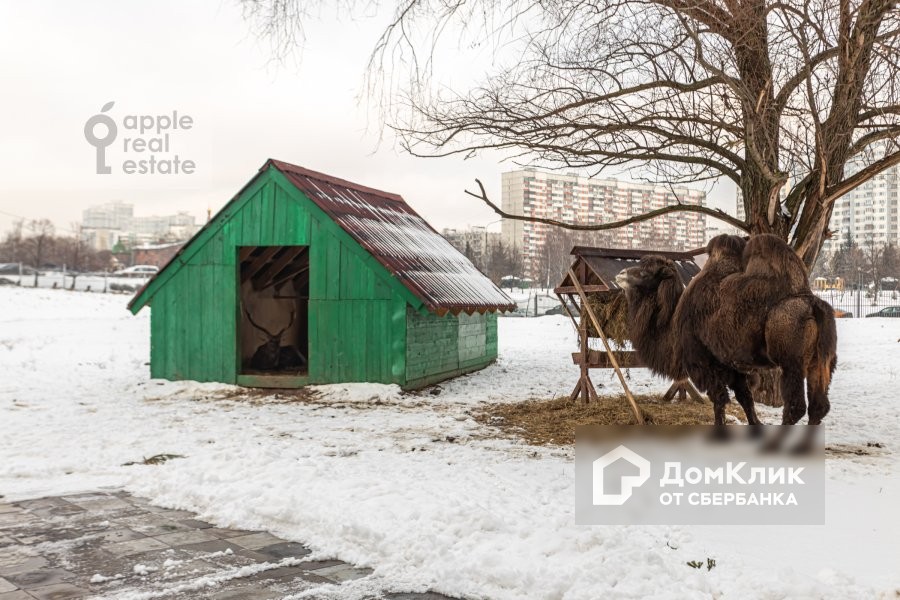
553	422
851	450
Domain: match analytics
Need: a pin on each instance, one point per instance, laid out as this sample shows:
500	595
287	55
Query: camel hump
725	245
767	255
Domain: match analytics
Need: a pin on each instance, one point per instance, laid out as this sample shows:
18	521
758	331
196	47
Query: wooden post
584	387
638	415
683	388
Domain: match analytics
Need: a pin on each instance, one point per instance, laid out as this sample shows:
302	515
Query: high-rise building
716	227
870	214
473	241
105	225
112	215
575	199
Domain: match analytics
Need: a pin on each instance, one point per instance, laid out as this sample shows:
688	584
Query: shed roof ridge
292	168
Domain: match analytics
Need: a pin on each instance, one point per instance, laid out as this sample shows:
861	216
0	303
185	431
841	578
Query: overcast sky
61	62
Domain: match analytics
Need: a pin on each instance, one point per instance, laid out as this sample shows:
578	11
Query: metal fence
860	302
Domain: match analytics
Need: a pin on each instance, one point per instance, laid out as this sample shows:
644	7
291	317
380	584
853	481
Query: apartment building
106	225
870	214
473	241
575	199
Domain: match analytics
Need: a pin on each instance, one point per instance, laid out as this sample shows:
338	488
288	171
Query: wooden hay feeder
590	286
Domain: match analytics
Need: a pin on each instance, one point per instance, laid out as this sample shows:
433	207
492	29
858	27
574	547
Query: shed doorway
273	332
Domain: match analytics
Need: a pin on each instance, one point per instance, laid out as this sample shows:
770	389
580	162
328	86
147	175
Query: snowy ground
410	485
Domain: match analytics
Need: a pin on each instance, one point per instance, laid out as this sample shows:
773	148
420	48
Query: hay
553	422
611	309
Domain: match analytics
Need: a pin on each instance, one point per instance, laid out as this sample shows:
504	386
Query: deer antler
261	328
288	326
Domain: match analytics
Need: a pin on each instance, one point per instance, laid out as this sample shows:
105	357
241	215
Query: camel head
651	272
652	290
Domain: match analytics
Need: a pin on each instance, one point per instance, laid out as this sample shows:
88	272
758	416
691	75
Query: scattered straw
553	422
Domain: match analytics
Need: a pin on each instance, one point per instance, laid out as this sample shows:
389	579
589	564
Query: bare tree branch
679	207
763	92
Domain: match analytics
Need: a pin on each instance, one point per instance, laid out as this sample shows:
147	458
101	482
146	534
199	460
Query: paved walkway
103	545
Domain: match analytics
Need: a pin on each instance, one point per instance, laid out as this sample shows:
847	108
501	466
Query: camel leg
745	399
817	392
792	393
719	396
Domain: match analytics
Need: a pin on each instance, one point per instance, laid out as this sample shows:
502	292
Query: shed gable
357	329
295	220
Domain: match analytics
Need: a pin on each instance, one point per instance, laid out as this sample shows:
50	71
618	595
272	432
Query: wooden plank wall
357	323
442	347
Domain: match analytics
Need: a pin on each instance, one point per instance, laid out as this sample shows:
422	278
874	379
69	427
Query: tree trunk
811	226
757	193
765	386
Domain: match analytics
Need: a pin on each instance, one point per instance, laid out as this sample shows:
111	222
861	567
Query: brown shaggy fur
730	321
653	290
699	303
773	319
770	257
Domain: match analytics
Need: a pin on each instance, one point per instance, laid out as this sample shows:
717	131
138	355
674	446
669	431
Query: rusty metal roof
392	232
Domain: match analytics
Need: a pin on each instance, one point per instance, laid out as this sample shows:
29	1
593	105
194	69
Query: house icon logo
629	482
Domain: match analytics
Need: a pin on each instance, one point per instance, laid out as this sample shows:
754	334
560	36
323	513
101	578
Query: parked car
842	314
888	311
138	271
13	269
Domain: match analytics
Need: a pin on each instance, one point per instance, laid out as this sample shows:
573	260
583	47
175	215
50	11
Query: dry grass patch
553	422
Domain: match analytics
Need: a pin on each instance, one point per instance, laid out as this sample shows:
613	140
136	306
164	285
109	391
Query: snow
409	484
142	569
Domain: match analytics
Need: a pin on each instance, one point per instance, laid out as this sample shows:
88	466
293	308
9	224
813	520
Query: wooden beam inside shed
285	256
291	271
257	260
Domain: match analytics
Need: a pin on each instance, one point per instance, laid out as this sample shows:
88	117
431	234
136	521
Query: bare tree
12	249
39	243
890	262
501	260
796	101
74	252
557	256
874	255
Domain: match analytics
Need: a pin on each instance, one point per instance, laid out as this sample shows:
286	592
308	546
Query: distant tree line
498	260
36	244
868	263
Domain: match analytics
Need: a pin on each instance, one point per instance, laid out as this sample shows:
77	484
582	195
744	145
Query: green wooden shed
305	278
